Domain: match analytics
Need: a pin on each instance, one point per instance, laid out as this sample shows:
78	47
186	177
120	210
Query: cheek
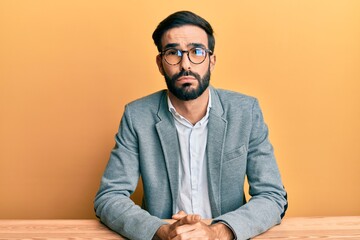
204	69
170	70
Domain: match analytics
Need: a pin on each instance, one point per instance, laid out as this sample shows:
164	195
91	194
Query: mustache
183	73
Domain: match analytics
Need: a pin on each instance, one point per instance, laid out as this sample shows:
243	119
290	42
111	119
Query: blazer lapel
170	146
215	145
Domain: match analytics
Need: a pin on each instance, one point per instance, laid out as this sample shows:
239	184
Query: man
193	145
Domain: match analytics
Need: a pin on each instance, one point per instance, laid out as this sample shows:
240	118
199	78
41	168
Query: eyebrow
197	45
173	45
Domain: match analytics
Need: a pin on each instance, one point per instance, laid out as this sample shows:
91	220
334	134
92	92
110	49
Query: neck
192	110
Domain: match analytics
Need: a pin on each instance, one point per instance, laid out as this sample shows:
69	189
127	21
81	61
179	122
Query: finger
189	219
181	231
179	215
193	232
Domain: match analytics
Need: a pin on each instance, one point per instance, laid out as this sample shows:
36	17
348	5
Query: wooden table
315	228
291	228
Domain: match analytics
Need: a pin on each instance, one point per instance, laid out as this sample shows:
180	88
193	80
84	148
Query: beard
185	92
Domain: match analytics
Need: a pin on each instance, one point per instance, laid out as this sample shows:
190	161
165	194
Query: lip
186	79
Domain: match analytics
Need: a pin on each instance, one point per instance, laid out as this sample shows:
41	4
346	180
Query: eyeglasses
174	56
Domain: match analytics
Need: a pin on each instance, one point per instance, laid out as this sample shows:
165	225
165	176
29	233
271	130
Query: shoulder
233	100
151	101
229	94
146	107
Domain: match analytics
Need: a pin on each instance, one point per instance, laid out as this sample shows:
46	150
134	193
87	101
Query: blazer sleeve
268	201
112	202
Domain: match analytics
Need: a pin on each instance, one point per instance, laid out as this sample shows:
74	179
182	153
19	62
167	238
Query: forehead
185	36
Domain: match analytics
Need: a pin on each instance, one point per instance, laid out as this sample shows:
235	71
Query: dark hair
179	19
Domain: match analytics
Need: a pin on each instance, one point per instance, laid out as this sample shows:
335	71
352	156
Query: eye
198	52
172	52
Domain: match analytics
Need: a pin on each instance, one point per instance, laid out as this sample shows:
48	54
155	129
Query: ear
159	64
212	62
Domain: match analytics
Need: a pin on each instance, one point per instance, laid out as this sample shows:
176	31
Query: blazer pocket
238	152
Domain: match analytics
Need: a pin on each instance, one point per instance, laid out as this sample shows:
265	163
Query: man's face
186	80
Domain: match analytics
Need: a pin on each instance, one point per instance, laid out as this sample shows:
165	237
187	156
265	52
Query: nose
185	62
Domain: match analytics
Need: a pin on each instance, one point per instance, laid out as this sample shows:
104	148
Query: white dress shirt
193	195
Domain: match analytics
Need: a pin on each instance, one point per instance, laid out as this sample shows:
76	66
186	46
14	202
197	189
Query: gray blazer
147	146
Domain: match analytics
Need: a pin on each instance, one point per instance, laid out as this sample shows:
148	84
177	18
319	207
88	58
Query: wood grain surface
291	228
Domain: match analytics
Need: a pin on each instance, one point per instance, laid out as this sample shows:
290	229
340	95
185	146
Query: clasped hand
190	226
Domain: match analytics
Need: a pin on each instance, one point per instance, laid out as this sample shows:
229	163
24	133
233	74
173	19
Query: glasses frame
183	53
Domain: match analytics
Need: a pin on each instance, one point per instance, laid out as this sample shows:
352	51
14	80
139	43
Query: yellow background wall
68	67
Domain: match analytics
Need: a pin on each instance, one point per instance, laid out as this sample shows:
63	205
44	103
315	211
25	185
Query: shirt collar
177	115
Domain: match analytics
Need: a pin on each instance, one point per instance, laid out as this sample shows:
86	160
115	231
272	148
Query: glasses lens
197	55
173	56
